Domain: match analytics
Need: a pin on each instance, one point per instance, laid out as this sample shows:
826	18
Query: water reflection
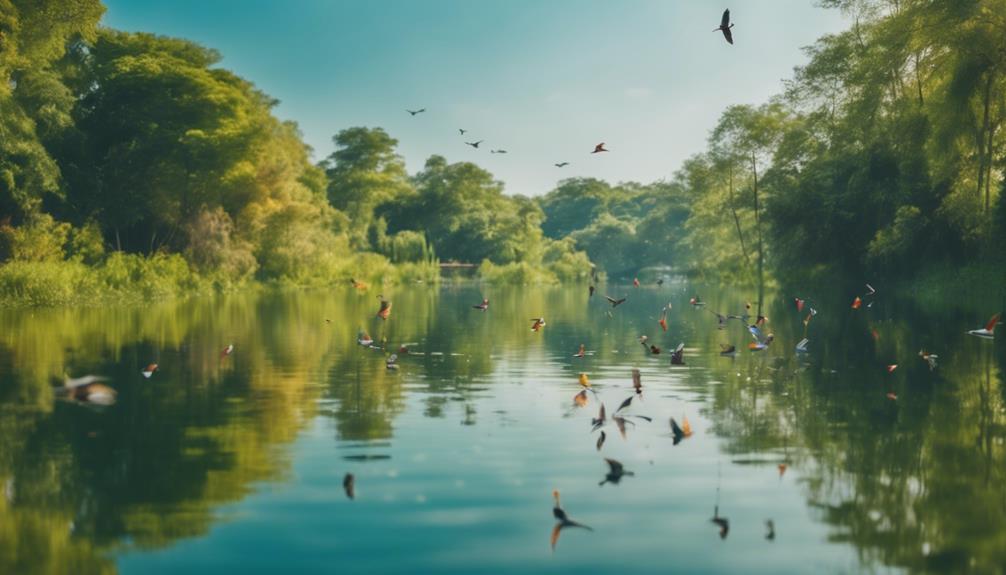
478	416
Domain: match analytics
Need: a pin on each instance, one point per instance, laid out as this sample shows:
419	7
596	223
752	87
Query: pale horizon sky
545	80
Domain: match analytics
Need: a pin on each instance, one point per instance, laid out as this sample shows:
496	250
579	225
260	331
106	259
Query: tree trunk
737	220
982	152
761	255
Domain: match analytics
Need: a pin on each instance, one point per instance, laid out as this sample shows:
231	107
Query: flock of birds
725	27
92	389
755	326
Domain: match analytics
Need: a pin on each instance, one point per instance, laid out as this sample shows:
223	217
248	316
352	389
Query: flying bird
727	350
591	289
722	522
561	164
462	131
987	332
349	485
614	302
682	431
696	301
537	324
363	339
227	350
148	371
414	112
392	362
801	347
582	352
637	381
482	306
616	471
358	284
725	26
635	282
769	530
563	521
930	358
475	144
497	151
599	148
598	422
857	303
600	440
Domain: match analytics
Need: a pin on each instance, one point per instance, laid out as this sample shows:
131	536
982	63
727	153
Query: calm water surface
236	464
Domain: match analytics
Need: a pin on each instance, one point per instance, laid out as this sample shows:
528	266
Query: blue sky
543	79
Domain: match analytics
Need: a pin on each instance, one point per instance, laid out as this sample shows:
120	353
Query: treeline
884	155
133	163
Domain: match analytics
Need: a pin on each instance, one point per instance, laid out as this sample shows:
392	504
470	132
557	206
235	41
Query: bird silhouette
475	144
482	306
591	289
563	520
599	148
414	112
725	26
349	485
616	471
614	302
227	350
561	164
637	381
497	151
722	522
462	131
930	358
682	431
600	440
148	371
537	323
770	530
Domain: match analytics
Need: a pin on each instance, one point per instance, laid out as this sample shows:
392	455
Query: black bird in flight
725	27
562	164
563	520
349	485
616	471
599	148
462	131
497	151
475	144
614	302
414	112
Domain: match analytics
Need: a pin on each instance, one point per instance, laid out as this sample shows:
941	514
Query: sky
545	80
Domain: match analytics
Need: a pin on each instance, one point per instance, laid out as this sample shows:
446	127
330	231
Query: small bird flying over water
614	302
475	144
392	362
538	323
357	284
591	289
349	485
637	381
462	131
561	164
148	371
987	332
227	350
497	151
727	350
616	471
482	306
414	112
600	440
725	26
682	431
563	520
599	148
722	522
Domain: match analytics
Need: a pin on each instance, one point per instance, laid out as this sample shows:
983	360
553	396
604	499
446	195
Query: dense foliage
884	155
